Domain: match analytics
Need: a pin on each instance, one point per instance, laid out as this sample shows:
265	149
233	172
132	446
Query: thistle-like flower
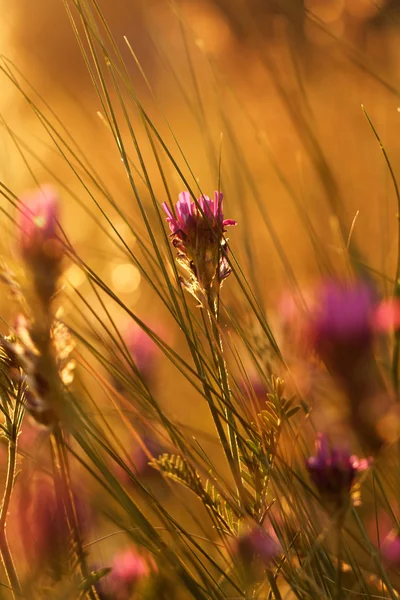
257	546
129	570
197	233
39	244
333	471
342	326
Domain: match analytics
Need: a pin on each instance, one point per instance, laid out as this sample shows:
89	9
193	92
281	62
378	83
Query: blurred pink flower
257	546
333	471
142	348
341	324
140	459
387	315
40	246
390	550
379	526
37	219
43	525
128	570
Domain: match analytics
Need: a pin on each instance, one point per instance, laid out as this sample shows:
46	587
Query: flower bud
333	472
257	546
342	326
197	233
391	550
129	570
40	246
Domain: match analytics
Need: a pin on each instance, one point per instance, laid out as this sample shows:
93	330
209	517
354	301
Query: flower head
257	546
342	325
38	219
333	471
128	570
391	549
39	244
43	526
143	349
26	363
197	231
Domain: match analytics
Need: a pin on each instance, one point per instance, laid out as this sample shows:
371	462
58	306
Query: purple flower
197	232
342	325
44	529
333	471
190	217
391	550
143	349
38	218
129	569
40	246
142	454
257	546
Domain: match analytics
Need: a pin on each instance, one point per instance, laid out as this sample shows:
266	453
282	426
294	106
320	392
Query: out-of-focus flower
143	349
379	525
341	325
257	546
27	364
333	471
390	550
256	389
40	246
128	570
141	455
43	523
387	315
197	233
341	328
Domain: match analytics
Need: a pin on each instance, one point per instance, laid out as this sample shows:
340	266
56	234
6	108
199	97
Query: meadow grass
211	441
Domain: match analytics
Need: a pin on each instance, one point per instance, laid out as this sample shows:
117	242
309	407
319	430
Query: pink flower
197	232
341	324
391	550
257	546
387	315
143	349
333	470
38	218
44	529
129	569
40	246
190	217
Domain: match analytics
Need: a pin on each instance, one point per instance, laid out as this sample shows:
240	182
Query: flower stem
4	547
339	553
69	504
224	381
274	586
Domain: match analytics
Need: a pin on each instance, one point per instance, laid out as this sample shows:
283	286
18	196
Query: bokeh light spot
125	278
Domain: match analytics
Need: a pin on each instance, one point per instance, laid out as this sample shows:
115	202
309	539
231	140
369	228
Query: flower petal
229	223
172	222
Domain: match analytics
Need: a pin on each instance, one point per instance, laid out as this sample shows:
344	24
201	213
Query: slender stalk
224	380
69	505
274	586
4	547
339	555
